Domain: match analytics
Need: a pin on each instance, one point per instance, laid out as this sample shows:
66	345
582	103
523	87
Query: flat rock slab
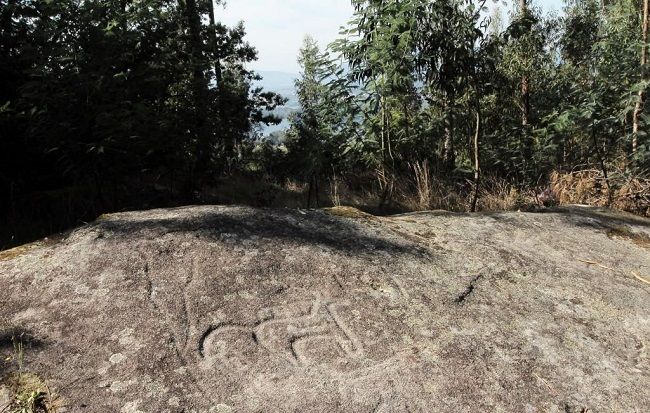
235	309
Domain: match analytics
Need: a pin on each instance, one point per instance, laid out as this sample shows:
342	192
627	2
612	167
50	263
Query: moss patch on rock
347	212
639	238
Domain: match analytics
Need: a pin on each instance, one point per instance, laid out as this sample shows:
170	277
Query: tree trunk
313	189
309	191
601	161
407	121
213	33
317	190
123	18
201	132
385	138
526	141
525	100
525	81
638	109
448	155
388	141
477	160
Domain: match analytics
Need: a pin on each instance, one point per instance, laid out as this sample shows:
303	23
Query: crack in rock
469	290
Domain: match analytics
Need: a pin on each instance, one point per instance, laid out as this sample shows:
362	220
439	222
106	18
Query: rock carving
285	335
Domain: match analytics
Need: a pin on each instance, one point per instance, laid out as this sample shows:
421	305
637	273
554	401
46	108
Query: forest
420	104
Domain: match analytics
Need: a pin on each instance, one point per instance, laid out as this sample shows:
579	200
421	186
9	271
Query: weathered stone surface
233	309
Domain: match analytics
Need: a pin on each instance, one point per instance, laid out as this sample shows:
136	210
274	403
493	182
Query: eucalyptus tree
378	49
527	60
643	69
446	35
525	79
596	80
407	52
619	71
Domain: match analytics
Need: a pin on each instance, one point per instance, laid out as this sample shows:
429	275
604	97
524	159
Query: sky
277	27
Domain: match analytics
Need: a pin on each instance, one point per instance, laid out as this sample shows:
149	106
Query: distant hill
282	83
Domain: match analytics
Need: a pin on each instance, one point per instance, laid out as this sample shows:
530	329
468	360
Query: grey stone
203	309
5	398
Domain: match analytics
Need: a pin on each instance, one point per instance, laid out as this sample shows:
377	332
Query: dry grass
378	193
422	184
628	193
23	249
381	193
259	191
28	393
422	191
499	195
580	187
634	196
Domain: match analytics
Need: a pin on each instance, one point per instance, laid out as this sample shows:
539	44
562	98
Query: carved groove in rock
297	339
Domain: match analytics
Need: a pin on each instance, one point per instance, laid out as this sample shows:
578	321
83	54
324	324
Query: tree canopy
118	104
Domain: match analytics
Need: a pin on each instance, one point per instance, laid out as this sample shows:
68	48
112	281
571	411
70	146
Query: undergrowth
420	190
27	392
379	193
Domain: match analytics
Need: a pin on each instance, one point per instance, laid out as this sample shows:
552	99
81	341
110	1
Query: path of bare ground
219	309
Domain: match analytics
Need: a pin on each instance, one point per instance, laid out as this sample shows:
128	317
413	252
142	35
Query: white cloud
277	27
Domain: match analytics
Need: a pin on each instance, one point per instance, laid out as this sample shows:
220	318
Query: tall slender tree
200	130
643	69
212	12
525	79
307	135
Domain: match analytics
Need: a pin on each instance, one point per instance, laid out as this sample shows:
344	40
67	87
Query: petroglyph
232	344
317	335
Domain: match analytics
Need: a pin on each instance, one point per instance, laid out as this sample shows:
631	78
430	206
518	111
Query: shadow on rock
605	217
307	227
15	342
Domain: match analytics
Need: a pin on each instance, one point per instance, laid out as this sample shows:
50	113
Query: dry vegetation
21	391
590	187
377	194
29	394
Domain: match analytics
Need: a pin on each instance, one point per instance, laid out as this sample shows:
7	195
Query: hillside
282	83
